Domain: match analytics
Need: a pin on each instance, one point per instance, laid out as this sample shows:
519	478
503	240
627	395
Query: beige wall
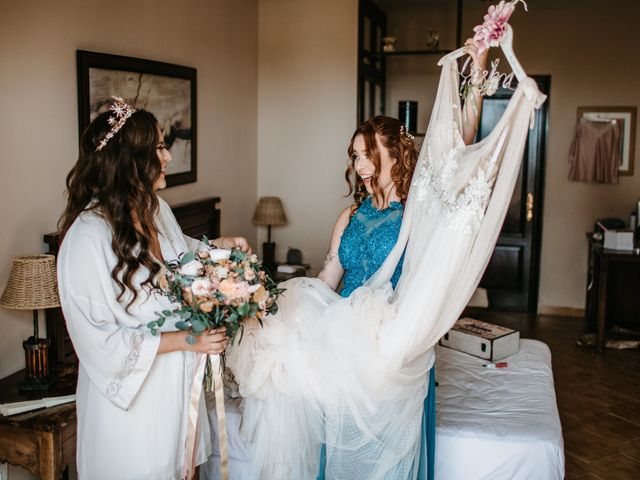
301	108
307	75
586	46
307	95
38	132
589	49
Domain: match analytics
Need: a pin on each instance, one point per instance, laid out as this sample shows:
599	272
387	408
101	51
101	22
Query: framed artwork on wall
166	90
626	116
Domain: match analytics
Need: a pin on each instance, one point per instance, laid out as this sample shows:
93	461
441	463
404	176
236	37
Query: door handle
529	207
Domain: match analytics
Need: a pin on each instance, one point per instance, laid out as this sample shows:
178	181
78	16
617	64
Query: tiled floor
598	397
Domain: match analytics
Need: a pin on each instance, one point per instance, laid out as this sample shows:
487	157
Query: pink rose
227	288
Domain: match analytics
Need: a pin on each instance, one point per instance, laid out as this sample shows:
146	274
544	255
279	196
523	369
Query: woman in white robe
133	387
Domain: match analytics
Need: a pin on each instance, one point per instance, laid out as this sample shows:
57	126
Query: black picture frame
150	70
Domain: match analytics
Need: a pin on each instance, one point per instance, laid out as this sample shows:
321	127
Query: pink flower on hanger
492	29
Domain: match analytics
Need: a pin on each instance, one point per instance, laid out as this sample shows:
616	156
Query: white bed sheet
495	424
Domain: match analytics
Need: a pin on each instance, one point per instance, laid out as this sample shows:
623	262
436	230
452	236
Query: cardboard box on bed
482	339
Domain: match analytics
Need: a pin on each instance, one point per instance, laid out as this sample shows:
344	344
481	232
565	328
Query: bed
491	424
497	423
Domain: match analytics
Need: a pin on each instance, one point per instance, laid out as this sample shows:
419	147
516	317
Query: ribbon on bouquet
194	402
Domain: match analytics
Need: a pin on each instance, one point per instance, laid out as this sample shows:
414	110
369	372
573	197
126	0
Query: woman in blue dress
382	157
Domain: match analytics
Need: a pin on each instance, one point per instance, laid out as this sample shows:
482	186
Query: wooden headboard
196	218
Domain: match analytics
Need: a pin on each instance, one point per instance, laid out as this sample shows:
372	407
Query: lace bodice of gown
366	242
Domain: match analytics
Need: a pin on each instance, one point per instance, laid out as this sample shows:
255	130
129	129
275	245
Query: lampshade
32	284
269	212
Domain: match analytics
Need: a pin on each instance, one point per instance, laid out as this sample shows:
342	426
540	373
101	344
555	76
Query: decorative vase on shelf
408	114
433	40
389	44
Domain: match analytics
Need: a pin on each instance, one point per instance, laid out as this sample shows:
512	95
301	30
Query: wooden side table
41	441
281	277
612	293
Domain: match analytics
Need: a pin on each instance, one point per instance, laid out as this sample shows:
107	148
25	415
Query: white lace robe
132	404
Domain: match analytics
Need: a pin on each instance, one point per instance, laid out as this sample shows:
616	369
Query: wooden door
513	275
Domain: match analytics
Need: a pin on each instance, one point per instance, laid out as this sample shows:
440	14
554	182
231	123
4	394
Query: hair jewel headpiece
404	132
490	33
121	112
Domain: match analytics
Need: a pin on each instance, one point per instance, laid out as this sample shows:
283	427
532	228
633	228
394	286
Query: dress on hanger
351	371
596	152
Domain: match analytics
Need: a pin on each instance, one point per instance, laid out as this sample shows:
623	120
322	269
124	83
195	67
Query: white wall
307	92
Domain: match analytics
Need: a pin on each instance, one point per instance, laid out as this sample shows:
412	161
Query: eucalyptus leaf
243	310
197	326
187	257
180	325
191	340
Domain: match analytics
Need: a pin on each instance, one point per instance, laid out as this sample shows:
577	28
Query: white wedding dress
350	372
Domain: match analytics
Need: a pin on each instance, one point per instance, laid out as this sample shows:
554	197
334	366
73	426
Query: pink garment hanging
596	152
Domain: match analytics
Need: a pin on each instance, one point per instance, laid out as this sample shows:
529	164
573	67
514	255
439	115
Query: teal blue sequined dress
365	244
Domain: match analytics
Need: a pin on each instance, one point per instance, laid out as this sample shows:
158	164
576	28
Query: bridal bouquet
216	288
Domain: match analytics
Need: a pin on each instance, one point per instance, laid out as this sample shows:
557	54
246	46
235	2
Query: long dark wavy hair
117	183
401	148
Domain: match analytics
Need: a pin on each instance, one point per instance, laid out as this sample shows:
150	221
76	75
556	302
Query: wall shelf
399	53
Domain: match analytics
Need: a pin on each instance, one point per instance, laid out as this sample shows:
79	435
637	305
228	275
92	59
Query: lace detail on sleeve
128	365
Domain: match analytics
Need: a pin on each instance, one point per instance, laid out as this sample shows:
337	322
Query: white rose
216	254
192	268
201	287
221	273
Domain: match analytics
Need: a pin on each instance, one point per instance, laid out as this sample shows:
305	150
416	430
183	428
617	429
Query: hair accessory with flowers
121	113
490	33
405	133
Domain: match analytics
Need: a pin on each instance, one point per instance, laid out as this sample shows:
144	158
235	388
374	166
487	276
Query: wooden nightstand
41	441
281	277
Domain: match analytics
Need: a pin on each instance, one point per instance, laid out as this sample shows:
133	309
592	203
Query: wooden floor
598	397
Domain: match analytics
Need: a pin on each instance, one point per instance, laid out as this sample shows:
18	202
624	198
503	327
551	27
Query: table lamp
269	212
33	286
